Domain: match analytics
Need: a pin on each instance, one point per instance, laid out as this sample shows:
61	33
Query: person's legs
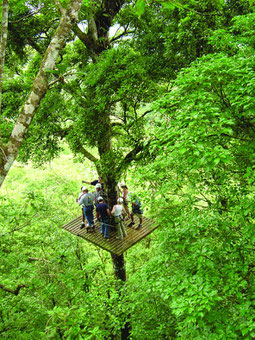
106	231
125	203
118	230
102	228
83	219
140	216
132	220
117	224
107	222
105	227
122	229
89	215
85	214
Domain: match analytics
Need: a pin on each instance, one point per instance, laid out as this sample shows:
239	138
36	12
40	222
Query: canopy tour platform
112	245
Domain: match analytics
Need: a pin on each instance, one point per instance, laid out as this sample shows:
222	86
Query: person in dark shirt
104	214
99	180
136	210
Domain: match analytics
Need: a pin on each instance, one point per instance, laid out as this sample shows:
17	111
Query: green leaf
171	4
140	7
47	70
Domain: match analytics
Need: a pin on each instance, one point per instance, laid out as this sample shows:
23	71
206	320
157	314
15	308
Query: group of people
116	215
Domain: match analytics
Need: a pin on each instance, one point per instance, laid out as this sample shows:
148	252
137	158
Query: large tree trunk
40	86
111	192
3	40
110	181
120	274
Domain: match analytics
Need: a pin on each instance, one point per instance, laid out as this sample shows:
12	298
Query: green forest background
168	107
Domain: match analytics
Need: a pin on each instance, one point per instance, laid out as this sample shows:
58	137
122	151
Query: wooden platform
112	245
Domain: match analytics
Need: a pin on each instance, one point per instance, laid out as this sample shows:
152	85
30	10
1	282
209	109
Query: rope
110	225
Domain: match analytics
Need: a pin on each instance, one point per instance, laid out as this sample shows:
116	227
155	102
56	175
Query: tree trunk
120	274
111	191
39	89
3	40
119	267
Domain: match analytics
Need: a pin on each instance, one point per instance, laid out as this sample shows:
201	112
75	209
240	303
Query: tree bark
39	89
96	40
120	274
3	40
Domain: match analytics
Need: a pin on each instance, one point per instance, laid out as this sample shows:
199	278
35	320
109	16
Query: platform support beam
120	274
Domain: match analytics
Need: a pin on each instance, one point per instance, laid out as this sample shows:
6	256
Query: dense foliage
175	98
202	182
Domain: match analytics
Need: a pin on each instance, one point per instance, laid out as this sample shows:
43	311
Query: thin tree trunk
3	40
39	89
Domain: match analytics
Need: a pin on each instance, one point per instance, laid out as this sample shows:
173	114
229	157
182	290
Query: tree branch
87	154
130	156
3	42
59	6
121	35
89	43
30	259
25	17
40	86
15	292
81	35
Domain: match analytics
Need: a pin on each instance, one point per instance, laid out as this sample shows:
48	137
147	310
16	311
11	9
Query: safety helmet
98	185
120	200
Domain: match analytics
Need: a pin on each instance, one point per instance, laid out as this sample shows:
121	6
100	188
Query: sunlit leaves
202	191
168	4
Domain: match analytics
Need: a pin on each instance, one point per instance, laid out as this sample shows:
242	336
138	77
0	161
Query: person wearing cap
103	212
117	211
98	193
137	211
87	201
82	193
125	197
95	182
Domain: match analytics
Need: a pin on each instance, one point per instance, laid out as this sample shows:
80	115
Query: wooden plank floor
112	245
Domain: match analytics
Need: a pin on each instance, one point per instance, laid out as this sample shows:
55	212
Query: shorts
140	215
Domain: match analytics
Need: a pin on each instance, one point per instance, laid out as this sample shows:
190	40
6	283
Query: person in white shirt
125	197
117	211
87	202
82	193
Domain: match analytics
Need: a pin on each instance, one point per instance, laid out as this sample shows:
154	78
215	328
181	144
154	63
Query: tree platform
112	245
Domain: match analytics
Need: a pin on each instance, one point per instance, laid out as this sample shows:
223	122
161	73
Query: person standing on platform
124	196
95	182
136	210
104	214
82	193
98	193
87	201
117	211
